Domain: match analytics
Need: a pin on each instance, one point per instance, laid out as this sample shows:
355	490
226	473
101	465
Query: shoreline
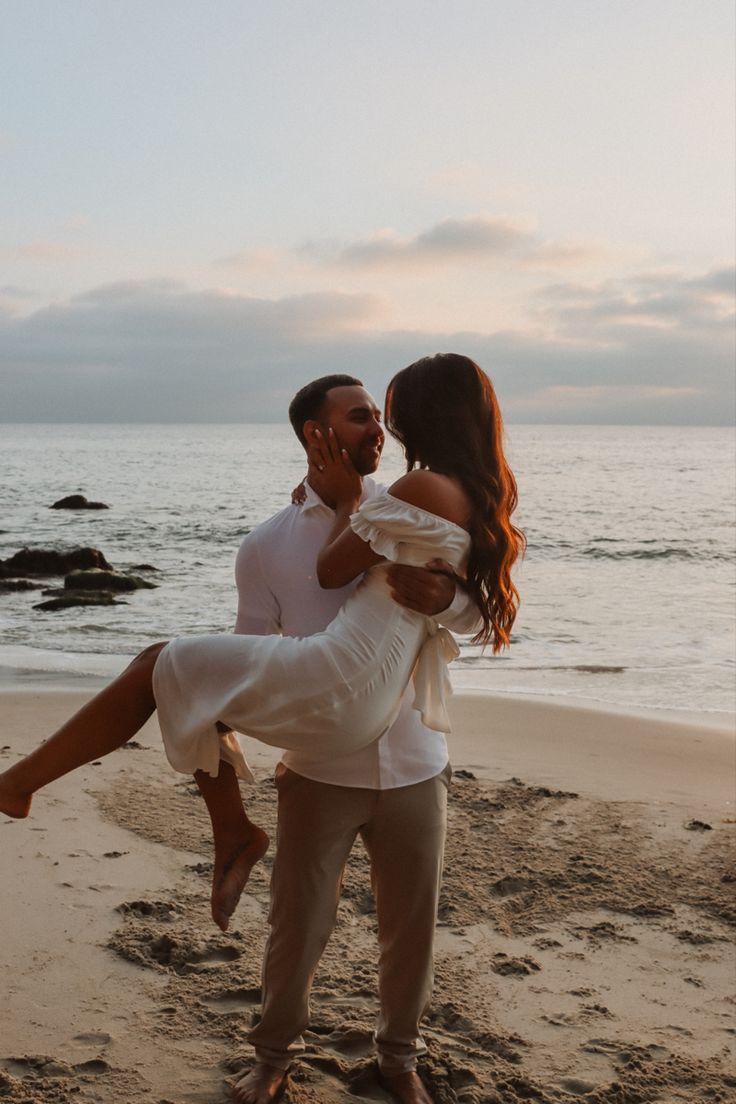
18	678
609	753
584	935
544	736
22	667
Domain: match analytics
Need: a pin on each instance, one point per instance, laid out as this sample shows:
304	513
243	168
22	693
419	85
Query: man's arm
435	591
259	613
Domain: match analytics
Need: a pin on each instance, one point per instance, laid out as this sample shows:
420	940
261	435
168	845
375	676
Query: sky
206	203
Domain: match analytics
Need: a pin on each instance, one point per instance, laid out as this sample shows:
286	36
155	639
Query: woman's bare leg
239	843
105	723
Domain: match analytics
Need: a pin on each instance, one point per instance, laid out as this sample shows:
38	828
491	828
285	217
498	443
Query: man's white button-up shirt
278	592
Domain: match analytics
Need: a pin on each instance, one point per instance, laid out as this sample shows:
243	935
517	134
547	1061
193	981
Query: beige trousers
404	833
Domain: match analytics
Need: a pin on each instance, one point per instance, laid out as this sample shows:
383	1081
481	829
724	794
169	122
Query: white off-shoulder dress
333	692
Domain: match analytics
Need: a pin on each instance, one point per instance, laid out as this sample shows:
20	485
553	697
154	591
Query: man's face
356	420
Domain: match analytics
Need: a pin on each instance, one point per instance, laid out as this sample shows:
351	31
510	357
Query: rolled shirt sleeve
462	615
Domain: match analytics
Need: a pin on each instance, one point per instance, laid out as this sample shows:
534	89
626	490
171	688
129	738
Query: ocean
627	585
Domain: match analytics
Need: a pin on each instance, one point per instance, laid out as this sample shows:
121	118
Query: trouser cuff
279	1059
399	1059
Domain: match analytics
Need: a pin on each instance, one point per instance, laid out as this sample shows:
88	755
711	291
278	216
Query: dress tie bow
432	684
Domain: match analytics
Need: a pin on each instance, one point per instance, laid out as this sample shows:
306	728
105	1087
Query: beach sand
584	946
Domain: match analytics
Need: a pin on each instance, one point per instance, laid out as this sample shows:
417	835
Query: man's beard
367	460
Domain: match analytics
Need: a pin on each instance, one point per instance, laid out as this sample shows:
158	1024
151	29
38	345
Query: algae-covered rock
96	579
48	561
67	601
78	502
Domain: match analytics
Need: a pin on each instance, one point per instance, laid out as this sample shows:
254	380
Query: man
392	793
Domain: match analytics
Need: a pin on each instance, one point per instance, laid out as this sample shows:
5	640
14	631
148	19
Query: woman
340	689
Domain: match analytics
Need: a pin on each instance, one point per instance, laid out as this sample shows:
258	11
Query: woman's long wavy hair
445	414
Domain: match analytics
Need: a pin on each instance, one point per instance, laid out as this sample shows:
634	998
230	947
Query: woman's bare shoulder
439	494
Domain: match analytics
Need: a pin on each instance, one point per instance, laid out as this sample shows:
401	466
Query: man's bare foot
262	1085
12	803
407	1087
232	870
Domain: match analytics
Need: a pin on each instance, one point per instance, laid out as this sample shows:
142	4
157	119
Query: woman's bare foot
12	803
232	870
262	1085
407	1087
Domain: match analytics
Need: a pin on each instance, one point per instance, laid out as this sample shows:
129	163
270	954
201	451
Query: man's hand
299	494
428	590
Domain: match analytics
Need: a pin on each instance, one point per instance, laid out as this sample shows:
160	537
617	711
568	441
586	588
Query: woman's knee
146	659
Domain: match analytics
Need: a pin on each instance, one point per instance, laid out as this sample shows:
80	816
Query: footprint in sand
602	932
509	886
94	1038
621	1053
230	1001
40	1066
696	939
214	956
183	953
95	1065
576	1087
591	1011
514	967
37	1065
185	957
352	1042
545	943
150	910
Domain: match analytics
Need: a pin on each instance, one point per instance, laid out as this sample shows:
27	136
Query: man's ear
309	430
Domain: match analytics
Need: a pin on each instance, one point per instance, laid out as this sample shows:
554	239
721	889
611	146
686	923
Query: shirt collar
312	501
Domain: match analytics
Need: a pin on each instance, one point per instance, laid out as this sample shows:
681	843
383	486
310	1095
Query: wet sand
585	946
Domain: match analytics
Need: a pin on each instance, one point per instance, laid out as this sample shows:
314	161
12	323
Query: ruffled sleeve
407	534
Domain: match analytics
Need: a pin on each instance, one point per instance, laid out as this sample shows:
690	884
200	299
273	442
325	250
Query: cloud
166	310
468	241
720	281
471	238
654	301
595	395
471	241
563	254
161	351
157	350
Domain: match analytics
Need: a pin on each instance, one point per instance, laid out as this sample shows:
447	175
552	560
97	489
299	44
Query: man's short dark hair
307	404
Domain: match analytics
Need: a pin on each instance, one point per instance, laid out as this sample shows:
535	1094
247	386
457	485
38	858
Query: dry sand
584	947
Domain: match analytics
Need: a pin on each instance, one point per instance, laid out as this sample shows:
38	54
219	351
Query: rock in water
95	579
44	561
77	599
78	502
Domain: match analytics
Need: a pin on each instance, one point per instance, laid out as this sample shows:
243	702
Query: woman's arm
333	477
345	555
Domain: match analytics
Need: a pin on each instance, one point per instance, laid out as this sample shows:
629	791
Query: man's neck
327	501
